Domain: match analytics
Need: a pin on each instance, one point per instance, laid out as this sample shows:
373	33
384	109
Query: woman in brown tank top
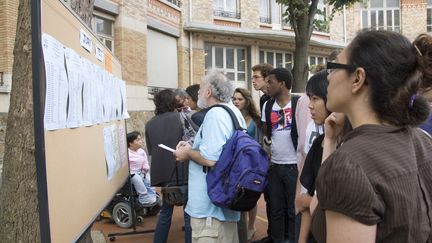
377	186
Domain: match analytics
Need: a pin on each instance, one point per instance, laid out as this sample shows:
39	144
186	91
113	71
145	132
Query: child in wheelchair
139	168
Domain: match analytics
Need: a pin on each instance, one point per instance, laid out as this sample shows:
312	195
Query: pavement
102	228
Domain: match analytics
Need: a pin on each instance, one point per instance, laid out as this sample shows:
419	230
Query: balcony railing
265	20
226	14
175	2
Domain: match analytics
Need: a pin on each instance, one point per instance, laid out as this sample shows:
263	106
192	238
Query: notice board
76	173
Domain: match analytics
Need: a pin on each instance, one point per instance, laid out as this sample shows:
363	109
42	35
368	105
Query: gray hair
181	93
220	86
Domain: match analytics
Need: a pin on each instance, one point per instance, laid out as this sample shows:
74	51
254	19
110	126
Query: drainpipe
190	47
344	25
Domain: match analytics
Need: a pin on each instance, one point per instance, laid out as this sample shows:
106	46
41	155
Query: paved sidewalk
106	226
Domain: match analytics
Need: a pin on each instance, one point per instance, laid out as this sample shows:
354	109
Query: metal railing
226	14
178	3
265	20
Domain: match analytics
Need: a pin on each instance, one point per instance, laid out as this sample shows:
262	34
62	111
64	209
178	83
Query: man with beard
209	222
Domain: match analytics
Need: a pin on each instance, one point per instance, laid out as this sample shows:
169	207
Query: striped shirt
381	175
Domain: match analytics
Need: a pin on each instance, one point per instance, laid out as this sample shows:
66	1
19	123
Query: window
277	58
272	13
382	15
429	16
232	60
265	11
104	28
313	61
226	8
321	17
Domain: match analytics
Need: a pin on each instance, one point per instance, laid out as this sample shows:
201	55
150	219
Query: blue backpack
240	175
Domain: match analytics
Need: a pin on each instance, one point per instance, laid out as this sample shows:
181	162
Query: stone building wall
413	17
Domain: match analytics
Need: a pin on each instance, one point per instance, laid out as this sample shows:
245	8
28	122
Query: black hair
317	85
392	74
283	74
192	91
164	101
131	137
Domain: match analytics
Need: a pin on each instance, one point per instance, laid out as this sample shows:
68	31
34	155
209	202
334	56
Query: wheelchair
121	207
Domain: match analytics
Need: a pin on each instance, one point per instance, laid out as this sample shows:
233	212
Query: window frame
288	65
224	60
316	60
385	10
103	37
224	12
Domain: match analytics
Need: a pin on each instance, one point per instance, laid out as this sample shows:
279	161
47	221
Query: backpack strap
294	133
267	112
233	117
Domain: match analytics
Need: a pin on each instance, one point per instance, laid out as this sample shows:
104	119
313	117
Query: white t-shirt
312	131
282	148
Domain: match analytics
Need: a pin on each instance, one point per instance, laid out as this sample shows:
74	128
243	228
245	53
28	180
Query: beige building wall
413	17
130	41
202	11
250	14
8	18
346	24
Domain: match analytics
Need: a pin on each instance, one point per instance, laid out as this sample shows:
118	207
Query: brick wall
413	17
202	11
353	24
250	14
130	41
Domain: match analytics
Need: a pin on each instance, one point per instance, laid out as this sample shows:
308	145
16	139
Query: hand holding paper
163	146
182	151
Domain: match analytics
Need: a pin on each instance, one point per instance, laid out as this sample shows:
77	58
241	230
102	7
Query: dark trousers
281	188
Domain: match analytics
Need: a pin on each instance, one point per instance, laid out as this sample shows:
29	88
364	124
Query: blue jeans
282	187
164	224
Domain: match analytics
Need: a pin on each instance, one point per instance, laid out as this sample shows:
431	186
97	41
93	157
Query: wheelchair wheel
122	215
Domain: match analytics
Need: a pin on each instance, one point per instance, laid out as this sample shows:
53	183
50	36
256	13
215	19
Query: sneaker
266	239
147	200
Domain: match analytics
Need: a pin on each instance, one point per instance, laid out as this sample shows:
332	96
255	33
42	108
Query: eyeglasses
332	66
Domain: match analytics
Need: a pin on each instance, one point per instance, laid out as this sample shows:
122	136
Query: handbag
175	195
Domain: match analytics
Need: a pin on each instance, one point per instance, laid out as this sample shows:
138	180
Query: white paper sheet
125	114
87	92
115	147
106	98
56	83
109	156
98	92
75	78
122	145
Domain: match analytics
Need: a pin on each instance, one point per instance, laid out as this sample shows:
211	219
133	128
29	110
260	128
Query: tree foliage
301	16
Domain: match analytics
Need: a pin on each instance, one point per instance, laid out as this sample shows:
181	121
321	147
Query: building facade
172	43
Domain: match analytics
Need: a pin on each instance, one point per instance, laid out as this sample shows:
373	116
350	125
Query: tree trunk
84	9
18	195
301	69
19	217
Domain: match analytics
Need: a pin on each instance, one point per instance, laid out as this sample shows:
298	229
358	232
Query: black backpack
267	110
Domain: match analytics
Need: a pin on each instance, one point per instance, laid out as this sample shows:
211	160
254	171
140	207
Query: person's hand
333	125
182	151
302	202
181	144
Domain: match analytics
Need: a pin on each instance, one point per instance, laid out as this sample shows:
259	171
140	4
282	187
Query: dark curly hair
164	101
